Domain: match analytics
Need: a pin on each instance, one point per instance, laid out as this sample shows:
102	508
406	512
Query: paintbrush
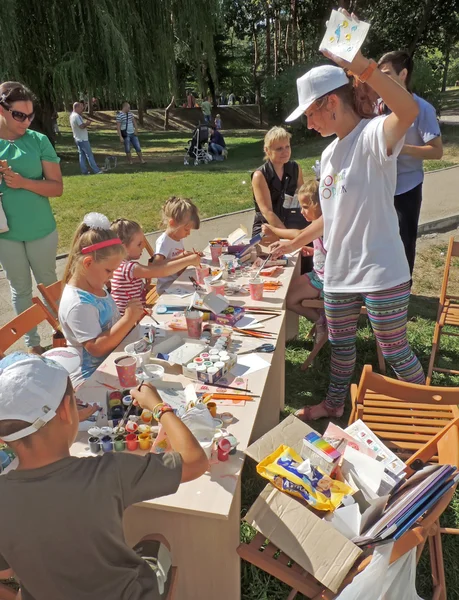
231	387
262	266
126	414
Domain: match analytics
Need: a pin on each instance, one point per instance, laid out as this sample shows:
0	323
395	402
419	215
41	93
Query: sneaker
225	153
99	172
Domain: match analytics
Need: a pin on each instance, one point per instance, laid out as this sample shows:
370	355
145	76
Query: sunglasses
17	114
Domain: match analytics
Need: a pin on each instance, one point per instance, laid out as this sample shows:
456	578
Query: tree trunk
268	39
293	19
256	60
421	27
167	111
90	104
445	68
43	122
286	48
276	44
140	110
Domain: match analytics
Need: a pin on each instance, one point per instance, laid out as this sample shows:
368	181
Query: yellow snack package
309	483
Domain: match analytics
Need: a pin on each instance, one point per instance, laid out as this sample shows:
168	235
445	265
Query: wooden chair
52	295
11	332
319	304
448	314
266	556
152	295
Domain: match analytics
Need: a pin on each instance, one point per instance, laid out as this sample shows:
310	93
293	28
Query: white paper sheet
344	35
249	364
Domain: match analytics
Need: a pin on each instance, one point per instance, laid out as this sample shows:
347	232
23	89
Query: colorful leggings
387	311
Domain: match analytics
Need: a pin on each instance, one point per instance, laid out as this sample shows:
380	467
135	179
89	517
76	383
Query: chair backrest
148	247
453	251
11	332
52	294
404	392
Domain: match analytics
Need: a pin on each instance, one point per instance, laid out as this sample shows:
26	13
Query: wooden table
202	519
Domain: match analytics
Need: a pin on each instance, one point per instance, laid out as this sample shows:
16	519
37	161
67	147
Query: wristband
161	409
368	72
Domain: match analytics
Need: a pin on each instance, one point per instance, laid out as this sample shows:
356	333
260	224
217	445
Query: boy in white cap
65	536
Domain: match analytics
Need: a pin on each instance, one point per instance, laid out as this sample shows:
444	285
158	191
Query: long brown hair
356	95
87	236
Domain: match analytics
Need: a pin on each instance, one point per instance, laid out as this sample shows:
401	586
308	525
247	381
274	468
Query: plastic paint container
127	401
107	443
94	444
207	363
215	358
213	352
120	444
220	364
146	416
227	418
132	442
131	427
106	431
117	412
223	354
201	369
145	441
204	356
198	360
191	366
144	428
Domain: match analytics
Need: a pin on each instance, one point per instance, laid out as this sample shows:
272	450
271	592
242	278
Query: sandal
318	411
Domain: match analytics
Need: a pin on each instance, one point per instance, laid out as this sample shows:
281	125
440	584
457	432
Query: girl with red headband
88	315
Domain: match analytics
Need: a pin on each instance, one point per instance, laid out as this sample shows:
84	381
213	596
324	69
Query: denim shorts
134	140
316	282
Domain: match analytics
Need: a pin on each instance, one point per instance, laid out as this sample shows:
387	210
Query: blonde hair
309	192
181	210
87	236
275	134
125	229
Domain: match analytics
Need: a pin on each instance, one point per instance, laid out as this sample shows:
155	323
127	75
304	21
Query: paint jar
227	418
223	354
145	441
106	431
94	444
217	287
198	360
131	426
191	366
146	416
214	358
194	323
144	428
223	449
107	443
201	272
126	367
116	395
213	352
132	442
212	407
201	369
127	401
215	252
219	364
204	356
117	412
120	443
211	373
208	363
256	289
114	402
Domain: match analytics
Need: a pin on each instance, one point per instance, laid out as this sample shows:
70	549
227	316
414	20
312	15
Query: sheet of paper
346	520
368	470
344	35
178	290
250	363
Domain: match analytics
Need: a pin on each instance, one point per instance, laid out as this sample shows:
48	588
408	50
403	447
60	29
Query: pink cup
218	288
194	323
256	289
215	251
126	367
201	272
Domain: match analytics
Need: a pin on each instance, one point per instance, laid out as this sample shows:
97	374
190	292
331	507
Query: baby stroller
197	146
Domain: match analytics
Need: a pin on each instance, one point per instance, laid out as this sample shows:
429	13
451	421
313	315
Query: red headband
100	245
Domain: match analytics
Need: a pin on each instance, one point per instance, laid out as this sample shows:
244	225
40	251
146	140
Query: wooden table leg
203	549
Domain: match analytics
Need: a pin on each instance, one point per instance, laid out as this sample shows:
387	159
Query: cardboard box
292	526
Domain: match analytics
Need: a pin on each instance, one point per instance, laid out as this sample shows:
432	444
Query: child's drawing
344	35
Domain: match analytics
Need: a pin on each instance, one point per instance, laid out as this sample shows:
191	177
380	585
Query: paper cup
126	367
202	272
194	323
218	287
256	289
141	358
215	251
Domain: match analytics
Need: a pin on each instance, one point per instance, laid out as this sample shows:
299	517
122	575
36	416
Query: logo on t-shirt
331	185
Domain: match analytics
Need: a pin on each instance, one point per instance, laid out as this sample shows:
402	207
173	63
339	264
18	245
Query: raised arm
308	235
263	198
164	268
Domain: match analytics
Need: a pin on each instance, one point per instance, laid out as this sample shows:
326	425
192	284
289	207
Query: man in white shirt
80	134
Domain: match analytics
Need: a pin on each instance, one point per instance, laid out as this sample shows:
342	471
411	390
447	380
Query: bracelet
368	72
160	409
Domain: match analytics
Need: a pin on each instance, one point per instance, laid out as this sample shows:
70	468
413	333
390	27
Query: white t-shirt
168	248
80	135
361	232
84	316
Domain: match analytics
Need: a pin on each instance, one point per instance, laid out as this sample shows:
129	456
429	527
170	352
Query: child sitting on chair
180	217
128	279
66	538
308	286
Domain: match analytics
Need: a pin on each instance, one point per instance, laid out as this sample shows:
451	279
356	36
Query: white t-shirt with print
168	248
361	231
80	135
83	317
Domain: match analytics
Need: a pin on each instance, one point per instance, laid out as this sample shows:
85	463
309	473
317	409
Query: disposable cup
194	323
218	287
201	272
256	289
126	367
215	251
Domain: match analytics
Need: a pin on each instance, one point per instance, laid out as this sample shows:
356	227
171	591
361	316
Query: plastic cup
194	323
120	444
201	272
145	441
218	287
126	367
224	448
215	251
256	289
107	443
132	442
94	444
212	408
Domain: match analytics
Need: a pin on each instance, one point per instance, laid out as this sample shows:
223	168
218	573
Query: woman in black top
274	185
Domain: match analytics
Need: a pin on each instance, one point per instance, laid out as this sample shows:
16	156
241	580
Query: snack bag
289	473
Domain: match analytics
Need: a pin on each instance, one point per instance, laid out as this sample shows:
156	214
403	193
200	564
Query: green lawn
139	191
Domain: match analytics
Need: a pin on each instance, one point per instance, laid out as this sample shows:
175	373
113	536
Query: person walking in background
206	108
29	174
422	142
126	125
80	135
217	144
218	122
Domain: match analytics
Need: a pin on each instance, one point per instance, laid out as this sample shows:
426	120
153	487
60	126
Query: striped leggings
387	311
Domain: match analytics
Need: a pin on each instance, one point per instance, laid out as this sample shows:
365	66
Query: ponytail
358	96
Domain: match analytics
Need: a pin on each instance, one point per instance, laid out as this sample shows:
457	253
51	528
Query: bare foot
318	411
36	350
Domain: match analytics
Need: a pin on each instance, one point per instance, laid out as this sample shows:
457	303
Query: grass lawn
309	388
139	191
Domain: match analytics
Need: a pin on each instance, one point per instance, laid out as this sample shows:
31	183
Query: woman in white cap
366	260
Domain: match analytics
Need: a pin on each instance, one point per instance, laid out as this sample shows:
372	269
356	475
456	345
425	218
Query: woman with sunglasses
29	174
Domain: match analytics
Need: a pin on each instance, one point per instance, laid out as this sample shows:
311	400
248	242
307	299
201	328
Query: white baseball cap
31	389
316	83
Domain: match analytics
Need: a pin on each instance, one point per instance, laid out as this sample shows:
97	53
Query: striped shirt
125	286
126	120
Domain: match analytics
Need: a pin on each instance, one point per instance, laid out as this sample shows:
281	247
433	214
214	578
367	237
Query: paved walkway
440	201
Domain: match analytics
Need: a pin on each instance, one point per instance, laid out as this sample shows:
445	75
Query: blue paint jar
107	444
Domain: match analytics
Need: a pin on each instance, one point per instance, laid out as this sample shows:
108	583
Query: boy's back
62	526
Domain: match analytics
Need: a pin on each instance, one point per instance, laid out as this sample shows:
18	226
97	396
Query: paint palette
344	36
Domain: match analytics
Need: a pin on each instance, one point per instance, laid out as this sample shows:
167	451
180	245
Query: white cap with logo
316	83
32	387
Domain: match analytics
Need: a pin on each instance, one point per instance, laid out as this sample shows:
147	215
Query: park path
440	201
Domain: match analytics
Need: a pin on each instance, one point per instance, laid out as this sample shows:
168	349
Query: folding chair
448	314
174	570
52	295
319	304
11	332
151	293
266	556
